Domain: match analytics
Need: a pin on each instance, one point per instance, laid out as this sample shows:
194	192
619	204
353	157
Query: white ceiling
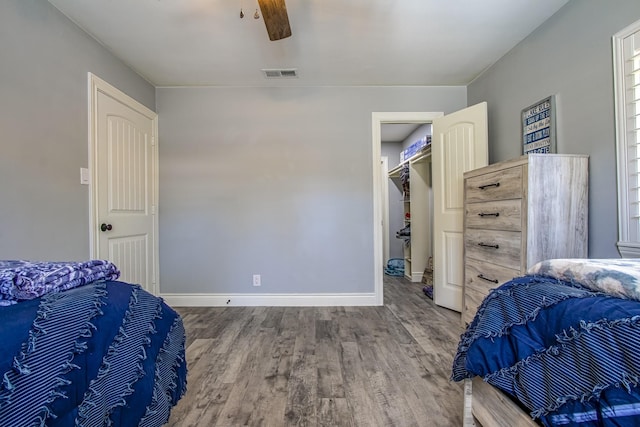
397	132
334	42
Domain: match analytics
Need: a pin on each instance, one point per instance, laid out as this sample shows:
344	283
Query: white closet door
459	144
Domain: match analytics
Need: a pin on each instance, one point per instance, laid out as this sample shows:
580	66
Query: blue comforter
568	352
102	353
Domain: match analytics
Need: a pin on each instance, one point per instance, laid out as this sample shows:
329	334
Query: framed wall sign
538	127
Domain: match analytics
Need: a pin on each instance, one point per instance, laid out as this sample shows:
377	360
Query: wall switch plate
256	280
84	176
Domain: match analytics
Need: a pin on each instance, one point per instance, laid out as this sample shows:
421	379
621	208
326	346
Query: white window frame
628	240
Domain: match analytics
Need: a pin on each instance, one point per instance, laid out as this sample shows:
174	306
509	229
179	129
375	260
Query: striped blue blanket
104	353
566	350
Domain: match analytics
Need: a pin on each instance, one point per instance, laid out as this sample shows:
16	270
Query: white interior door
124	175
459	144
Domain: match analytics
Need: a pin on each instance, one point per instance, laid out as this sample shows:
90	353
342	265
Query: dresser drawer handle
496	214
480	276
486	245
482	187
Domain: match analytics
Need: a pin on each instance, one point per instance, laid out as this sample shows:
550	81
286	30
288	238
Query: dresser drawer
497	247
479	278
500	185
498	215
480	275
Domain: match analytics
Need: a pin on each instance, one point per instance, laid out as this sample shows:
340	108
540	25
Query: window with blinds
626	56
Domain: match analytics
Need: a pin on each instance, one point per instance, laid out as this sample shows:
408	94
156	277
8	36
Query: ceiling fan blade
274	13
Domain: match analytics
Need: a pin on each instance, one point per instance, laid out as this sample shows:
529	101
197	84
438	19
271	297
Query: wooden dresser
520	212
517	213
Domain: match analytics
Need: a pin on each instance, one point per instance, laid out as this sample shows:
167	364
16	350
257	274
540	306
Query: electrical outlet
256	280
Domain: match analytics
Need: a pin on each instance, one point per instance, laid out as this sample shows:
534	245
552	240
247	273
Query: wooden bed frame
485	405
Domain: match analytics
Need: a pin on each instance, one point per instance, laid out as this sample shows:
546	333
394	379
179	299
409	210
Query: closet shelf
422	155
418	157
395	172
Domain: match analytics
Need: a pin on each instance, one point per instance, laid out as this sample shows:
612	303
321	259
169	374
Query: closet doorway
459	144
379	181
409	198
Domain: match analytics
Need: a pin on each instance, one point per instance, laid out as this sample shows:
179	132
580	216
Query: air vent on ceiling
280	73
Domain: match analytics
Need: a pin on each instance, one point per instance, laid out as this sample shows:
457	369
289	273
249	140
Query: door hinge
153	209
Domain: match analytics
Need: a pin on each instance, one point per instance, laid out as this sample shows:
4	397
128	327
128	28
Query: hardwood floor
323	366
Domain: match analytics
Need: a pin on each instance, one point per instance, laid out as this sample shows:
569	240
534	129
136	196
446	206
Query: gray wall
273	181
395	205
569	56
425	129
44	57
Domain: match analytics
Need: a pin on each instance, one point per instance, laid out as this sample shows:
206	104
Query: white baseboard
270	300
629	249
416	276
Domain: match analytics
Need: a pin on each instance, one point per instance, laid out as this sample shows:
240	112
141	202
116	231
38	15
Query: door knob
105	227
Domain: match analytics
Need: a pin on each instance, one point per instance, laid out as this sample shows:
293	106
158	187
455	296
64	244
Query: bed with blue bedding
81	348
563	341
